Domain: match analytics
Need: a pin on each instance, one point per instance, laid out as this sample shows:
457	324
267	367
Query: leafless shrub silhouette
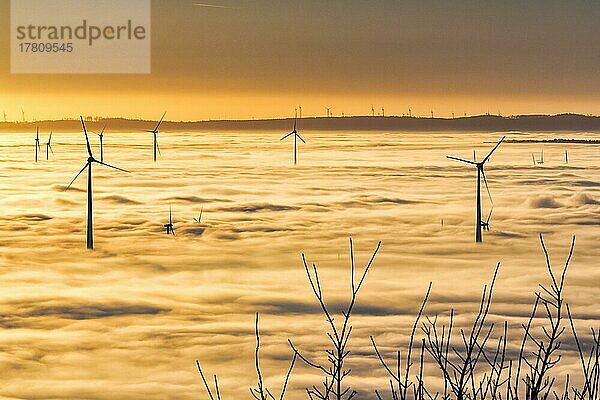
399	385
461	365
261	392
474	364
590	364
539	352
334	372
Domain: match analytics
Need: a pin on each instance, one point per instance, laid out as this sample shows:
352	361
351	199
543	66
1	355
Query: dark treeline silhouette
481	123
478	360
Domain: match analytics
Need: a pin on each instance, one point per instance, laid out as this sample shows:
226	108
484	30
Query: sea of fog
128	320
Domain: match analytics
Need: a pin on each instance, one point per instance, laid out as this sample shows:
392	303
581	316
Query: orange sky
263	58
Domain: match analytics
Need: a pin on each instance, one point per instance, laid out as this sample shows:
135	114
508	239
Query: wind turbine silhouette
199	220
37	143
49	145
372	111
101	136
296	136
88	165
486	224
155	133
328	109
480	172
169	226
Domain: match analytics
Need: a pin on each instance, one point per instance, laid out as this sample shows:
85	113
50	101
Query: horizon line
445	118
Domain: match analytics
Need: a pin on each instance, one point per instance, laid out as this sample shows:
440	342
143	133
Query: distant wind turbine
382	112
4	116
199	219
49	146
155	133
169	226
23	114
328	109
533	158
300	108
88	165
296	136
480	174
486	224
372	111
101	136
37	143
566	156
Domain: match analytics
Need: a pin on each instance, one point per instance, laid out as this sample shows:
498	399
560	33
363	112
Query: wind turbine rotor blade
461	160
77	176
87	140
486	186
493	150
150	131
300	137
489	216
158	148
160	122
295	123
50	147
110	166
286	136
102	131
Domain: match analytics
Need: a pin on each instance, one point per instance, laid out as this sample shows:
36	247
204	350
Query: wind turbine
328	111
566	156
155	133
372	111
533	158
486	224
199	219
88	165
37	143
23	114
49	145
101	136
169	226
480	172
296	136
382	112
541	160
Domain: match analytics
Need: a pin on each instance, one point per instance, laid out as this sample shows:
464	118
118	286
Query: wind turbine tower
294	133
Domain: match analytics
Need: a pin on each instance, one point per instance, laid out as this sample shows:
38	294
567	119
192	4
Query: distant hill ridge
481	123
